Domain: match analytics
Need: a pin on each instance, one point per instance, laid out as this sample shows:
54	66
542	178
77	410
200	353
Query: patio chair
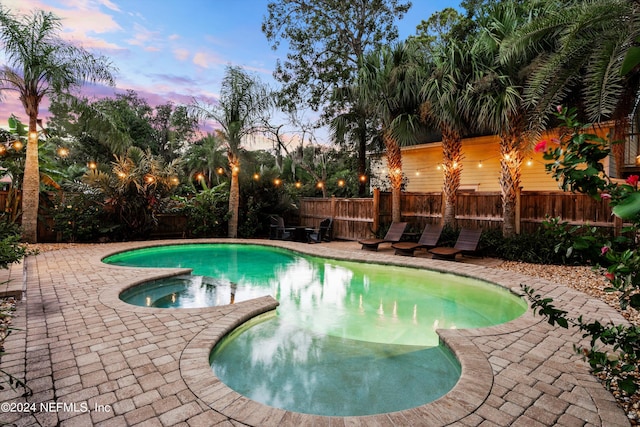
394	234
467	243
277	229
322	233
428	239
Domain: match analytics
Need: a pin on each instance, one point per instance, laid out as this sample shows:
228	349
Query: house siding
481	166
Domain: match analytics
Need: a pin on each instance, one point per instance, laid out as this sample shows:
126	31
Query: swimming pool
348	338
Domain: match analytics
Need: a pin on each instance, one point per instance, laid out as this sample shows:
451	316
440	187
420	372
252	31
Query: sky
175	50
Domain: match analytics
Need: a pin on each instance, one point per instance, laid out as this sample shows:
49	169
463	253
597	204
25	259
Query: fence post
617	226
376	209
443	207
333	206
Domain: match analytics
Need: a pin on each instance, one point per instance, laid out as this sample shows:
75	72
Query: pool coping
476	397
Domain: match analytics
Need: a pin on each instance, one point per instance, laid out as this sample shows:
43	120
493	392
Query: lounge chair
394	234
277	229
322	233
428	239
467	243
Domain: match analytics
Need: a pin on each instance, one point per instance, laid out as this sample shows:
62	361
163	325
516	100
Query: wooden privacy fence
357	218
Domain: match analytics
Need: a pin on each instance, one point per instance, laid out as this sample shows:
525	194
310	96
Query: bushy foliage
134	190
80	216
11	249
574	160
207	211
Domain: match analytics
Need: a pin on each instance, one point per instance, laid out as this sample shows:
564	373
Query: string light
17	145
220	171
256	176
479	163
530	161
298	184
121	174
92	165
363	178
236	169
63	152
277	181
341	183
199	176
3	149
319	184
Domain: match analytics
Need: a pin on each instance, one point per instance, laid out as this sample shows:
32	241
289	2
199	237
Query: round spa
347	339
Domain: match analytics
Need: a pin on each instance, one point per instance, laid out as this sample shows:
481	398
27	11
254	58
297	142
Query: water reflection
292	368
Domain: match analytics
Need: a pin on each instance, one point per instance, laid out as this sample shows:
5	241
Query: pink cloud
207	59
181	54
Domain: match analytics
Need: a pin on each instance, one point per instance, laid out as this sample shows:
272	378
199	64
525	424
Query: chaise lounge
394	234
467	243
428	239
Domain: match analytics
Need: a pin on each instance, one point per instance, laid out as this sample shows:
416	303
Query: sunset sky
174	50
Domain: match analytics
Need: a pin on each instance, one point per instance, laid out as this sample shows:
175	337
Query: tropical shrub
80	217
133	191
574	160
11	248
207	211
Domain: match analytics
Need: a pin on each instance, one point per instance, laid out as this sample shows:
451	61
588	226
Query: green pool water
347	339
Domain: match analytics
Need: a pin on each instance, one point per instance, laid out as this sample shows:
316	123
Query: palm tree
243	103
39	64
442	94
205	156
354	127
494	99
586	43
390	80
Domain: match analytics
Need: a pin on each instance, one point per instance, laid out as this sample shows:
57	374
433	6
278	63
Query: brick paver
77	344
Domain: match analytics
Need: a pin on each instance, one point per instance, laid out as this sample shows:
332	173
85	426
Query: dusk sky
175	50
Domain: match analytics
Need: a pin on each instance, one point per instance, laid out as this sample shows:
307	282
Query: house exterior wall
481	166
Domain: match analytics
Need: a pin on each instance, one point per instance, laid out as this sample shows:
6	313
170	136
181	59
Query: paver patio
92	359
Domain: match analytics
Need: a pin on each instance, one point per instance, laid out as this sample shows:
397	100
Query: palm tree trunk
362	159
394	163
510	173
31	180
452	172
234	196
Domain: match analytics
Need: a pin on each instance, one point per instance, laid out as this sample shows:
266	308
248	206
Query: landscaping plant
575	161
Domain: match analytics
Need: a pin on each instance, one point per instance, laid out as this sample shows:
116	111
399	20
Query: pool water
348	338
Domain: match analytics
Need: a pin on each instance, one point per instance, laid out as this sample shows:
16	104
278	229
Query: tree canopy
325	41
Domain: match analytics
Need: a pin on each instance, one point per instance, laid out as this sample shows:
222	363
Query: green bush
207	212
554	242
79	217
11	249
